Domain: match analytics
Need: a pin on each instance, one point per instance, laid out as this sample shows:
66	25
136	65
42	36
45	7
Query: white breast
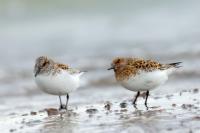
145	80
58	84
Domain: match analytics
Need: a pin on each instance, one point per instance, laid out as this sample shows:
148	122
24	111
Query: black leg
61	106
147	95
67	101
134	102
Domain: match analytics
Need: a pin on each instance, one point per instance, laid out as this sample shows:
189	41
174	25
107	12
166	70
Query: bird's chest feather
61	80
145	80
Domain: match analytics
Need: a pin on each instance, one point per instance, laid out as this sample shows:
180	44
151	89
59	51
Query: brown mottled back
147	65
127	67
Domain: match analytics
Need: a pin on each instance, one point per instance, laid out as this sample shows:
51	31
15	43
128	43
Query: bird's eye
118	61
44	64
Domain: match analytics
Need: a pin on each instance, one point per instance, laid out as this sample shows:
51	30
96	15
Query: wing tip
176	64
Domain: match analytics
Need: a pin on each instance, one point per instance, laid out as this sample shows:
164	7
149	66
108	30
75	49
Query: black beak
110	68
36	73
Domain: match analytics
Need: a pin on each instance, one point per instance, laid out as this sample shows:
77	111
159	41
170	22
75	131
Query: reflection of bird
141	75
55	78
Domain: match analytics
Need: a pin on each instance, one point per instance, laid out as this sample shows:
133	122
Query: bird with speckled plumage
136	74
56	78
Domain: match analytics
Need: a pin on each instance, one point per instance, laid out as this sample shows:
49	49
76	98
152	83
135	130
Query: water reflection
63	123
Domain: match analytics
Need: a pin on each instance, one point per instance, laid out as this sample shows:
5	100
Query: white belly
59	84
145	81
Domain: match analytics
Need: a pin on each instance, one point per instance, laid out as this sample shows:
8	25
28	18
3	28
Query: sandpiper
138	75
56	78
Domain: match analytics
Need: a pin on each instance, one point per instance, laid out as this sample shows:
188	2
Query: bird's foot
62	107
147	108
135	105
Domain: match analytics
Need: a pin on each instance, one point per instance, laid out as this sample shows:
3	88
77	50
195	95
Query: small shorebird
141	75
56	78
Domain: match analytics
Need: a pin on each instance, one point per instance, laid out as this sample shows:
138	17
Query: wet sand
177	112
88	36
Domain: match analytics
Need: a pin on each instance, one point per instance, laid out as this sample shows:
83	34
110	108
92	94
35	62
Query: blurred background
89	34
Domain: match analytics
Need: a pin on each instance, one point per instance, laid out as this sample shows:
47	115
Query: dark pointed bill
110	68
37	72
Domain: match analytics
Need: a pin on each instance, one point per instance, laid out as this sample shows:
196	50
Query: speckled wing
62	66
150	65
134	66
146	65
67	68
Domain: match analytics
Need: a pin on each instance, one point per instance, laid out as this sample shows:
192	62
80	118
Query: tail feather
175	65
171	65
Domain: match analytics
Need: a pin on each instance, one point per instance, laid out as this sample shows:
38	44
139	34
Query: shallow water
88	36
178	112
